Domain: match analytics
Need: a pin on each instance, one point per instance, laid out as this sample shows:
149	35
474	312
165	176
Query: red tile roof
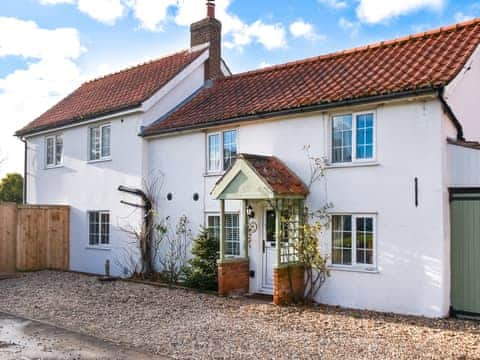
419	62
120	91
276	174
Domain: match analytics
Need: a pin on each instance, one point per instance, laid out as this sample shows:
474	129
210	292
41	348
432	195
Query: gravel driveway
185	324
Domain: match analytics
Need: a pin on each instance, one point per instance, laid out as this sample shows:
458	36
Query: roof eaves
77	121
304	109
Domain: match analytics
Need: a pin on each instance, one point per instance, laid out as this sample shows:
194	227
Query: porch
272	199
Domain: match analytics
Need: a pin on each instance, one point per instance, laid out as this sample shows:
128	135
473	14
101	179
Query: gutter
305	109
451	115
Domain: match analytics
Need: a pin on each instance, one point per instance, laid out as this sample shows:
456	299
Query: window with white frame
353	137
99	142
54	150
232	231
221	150
353	240
99	228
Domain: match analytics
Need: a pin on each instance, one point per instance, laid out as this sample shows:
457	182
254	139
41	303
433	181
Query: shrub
202	273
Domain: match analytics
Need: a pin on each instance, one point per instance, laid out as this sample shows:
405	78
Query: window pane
213	224
232	235
229	148
364	240
364	136
214	152
106	141
50	150
342	239
58	150
342	139
105	228
94	228
94	143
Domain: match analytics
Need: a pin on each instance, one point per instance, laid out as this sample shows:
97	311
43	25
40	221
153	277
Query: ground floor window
99	228
232	231
353	240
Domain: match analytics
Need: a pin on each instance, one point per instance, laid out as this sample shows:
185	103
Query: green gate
465	252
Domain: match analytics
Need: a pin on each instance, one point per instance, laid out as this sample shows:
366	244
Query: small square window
99	228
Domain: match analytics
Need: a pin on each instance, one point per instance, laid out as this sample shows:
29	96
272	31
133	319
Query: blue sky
48	47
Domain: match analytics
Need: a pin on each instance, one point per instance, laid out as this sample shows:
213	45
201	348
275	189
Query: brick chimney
209	30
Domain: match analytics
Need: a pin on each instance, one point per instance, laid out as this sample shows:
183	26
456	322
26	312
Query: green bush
202	272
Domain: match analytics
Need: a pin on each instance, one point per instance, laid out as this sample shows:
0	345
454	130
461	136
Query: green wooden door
465	253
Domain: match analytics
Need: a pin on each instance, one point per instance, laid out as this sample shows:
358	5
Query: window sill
356	269
100	248
99	161
352	164
53	167
214	174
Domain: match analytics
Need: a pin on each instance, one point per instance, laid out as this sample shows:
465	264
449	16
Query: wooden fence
34	237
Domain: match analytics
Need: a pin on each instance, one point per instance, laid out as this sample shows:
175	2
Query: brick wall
233	277
209	30
282	291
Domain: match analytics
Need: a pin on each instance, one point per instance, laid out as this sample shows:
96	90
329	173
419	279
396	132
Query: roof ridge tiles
146	62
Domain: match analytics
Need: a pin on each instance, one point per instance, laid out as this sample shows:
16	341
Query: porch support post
278	232
245	228
301	218
222	229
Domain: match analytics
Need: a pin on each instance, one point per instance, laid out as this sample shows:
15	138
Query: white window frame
55	164
220	134
101	158
354	266
99	245
215	214
354	138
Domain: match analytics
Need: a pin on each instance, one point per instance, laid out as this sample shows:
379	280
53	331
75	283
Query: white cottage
391	120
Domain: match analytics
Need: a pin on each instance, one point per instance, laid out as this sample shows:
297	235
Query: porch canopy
259	177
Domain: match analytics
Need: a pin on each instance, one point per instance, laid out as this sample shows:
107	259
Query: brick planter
233	277
282	292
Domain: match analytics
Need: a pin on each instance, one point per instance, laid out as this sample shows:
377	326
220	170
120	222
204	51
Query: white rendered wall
412	253
93	186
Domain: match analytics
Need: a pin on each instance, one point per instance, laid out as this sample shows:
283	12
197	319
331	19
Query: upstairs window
221	150
353	138
54	150
99	147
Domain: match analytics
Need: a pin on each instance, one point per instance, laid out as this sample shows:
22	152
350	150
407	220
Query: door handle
263	246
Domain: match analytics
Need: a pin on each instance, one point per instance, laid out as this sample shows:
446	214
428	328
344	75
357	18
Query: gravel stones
185	324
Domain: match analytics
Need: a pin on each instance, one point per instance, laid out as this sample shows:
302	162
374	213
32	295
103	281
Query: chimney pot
211	9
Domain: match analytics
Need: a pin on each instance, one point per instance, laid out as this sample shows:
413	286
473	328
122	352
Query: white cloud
236	32
303	29
353	28
378	11
336	4
105	11
460	17
51	73
151	13
264	64
55	2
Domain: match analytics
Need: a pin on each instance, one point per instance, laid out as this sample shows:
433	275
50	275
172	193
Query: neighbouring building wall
91	186
411	251
463	94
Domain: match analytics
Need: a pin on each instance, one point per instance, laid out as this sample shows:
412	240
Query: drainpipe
25	158
451	115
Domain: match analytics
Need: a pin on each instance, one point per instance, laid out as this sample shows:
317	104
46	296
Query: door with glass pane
268	249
